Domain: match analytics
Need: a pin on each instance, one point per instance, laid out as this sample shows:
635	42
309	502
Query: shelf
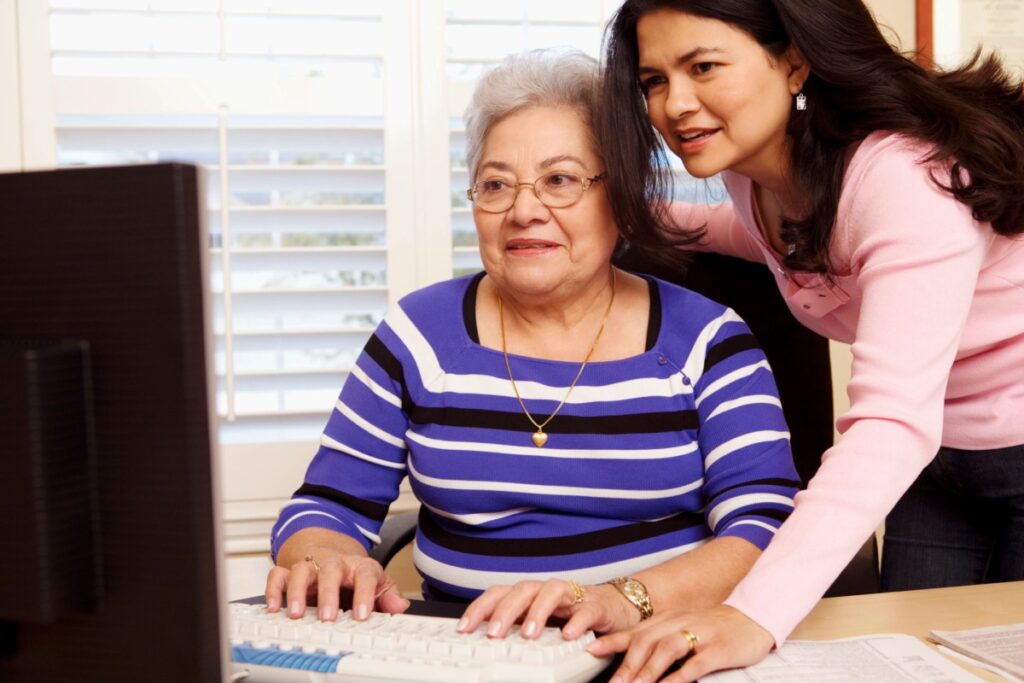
206	54
298	332
294	251
290	373
298	168
340	289
340	208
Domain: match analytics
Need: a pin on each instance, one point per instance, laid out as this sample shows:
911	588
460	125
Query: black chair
799	360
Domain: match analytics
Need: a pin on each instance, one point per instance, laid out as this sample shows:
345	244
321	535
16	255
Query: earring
801	102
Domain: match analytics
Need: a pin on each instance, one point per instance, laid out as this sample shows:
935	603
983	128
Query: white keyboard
272	648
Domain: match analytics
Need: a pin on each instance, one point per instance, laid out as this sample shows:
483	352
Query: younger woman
887	200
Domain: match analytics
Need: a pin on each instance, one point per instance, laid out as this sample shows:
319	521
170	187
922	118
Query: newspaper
880	658
1000	647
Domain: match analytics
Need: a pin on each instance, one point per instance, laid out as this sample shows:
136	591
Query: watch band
636	593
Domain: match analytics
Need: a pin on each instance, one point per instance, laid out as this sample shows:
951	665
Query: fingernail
461	626
494	628
362	611
272	604
569	634
529	628
294	607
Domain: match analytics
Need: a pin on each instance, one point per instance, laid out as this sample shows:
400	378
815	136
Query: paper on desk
1000	646
865	659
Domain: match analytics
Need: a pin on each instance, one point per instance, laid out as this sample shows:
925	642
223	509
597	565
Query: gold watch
636	593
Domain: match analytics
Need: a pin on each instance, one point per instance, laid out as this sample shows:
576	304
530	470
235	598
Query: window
331	136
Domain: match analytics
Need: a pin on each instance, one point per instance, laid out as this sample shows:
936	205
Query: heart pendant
539	439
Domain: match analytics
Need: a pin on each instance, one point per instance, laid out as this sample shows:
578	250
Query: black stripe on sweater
557	545
383	357
636	423
367	508
729	347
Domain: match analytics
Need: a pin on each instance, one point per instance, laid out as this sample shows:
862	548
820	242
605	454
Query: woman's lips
694	139
526	247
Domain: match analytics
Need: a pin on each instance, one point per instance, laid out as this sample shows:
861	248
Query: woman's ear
799	69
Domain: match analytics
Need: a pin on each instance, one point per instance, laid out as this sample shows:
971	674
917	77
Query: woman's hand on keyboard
327	572
725	639
601	609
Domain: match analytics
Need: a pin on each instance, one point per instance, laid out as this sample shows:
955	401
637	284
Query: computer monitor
107	468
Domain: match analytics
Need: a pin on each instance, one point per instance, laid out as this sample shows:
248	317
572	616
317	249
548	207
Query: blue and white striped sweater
651	455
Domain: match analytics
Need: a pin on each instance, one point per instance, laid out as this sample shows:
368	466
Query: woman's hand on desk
600	608
726	639
325	569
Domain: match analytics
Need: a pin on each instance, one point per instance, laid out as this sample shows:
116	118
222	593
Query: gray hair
537	78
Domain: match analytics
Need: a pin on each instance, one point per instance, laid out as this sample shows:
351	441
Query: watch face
636	593
634	588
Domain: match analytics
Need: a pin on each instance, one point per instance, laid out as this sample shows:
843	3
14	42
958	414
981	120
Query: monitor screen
107	456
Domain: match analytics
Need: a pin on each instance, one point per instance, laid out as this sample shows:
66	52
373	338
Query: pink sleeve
725	233
915	253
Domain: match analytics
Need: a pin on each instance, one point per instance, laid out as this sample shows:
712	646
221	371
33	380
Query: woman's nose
681	100
527	207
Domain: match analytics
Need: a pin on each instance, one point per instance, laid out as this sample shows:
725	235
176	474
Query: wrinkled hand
727	639
364	576
602	609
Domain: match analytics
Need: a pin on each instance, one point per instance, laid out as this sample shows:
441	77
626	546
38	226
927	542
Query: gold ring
316	566
692	639
577	592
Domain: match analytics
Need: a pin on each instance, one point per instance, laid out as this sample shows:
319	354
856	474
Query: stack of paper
866	659
997	648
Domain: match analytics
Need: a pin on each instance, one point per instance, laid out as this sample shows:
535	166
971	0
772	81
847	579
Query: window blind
296	201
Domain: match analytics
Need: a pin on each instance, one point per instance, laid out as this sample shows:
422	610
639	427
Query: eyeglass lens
556	190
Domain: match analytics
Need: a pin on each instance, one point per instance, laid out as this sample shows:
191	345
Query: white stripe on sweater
548	490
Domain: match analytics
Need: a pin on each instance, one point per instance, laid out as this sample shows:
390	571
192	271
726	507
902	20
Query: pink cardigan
932	303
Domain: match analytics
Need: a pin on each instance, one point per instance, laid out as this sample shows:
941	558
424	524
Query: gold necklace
539	437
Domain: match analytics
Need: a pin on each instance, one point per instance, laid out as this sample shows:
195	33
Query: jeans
961	522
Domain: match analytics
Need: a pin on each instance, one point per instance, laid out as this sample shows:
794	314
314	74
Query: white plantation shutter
331	136
283	103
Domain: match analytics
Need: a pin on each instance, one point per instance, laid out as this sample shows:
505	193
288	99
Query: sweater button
662	360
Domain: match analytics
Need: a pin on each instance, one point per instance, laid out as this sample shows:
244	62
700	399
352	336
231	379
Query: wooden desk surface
917	613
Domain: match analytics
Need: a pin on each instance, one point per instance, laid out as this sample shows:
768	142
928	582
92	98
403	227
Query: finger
391	599
693	669
367	575
515	604
277	579
300	579
586	617
328	590
665	654
552	595
481	609
611	643
645	638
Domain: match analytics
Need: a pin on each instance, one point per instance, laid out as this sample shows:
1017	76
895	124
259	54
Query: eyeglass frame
586	182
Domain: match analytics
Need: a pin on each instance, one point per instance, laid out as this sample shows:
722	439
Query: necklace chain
539	437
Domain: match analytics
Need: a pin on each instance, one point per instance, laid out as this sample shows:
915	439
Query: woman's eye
493	185
647	84
704	67
559	179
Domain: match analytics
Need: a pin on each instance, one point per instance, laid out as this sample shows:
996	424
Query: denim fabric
962	522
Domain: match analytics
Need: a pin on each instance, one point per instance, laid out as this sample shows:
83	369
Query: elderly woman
585	442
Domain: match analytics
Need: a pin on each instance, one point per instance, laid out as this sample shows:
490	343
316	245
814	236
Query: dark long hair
973	116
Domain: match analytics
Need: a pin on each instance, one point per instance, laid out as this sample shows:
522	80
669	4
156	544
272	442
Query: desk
917	613
912	612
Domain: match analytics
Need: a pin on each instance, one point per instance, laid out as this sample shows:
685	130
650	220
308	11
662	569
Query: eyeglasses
556	190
